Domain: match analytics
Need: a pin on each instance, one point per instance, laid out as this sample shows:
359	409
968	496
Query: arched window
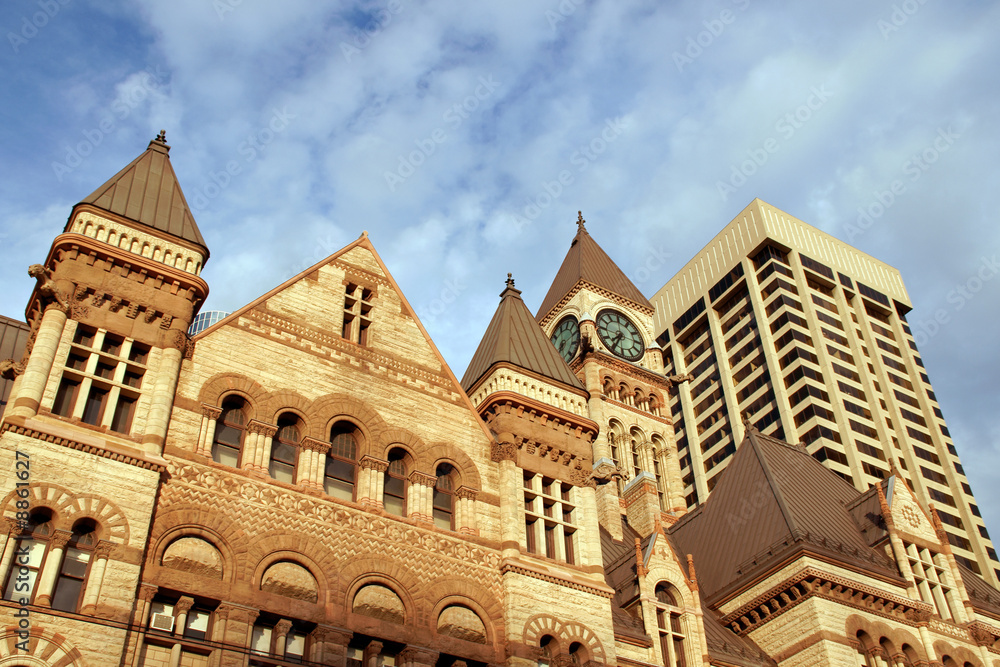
444	497
73	572
285	448
25	569
229	428
668	621
911	656
394	489
341	461
548	647
865	648
636	440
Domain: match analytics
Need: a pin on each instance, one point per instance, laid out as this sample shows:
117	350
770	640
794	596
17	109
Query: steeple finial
162	137
580	222
510	280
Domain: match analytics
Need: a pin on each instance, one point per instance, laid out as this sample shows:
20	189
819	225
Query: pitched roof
147	192
725	647
588	262
773	499
983	596
514	336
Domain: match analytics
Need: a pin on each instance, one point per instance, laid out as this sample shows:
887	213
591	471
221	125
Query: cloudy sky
465	136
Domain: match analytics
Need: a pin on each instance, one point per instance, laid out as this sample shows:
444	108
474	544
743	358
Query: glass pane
138	353
105	369
65	397
442	501
77	361
94	408
225	455
261	640
394	486
394	505
341	470
343	444
67	594
442	519
228	434
295	644
75	563
338	488
133	378
282	472
121	422
112	344
84	336
197	624
283	453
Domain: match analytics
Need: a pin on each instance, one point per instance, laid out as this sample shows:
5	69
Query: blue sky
436	126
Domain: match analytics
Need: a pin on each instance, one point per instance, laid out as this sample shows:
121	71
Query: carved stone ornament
177	340
10	369
605	472
982	637
370	463
46	287
116	304
150	315
503	451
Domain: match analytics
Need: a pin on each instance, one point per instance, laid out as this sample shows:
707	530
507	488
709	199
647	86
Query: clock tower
602	326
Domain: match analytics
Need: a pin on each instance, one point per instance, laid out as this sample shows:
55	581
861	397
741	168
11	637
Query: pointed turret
515	338
146	191
587	263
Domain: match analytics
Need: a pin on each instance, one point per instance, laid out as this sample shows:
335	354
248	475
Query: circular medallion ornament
620	335
566	337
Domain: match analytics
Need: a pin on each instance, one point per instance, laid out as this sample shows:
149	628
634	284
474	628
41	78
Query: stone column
162	396
53	563
329	646
310	474
181	610
251	442
465	512
209	418
97	569
411	656
420	497
13	527
281	630
372	655
588	530
220	618
504	452
39	366
264	442
140	617
372	481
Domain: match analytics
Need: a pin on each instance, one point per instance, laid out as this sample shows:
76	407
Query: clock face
566	337
620	335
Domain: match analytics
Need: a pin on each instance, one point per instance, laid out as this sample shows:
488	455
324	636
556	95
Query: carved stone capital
605	471
48	293
59	540
183	605
423	479
211	411
176	339
116	304
147	592
315	445
981	636
331	636
503	451
466	493
103	549
282	627
266	430
411	655
372	463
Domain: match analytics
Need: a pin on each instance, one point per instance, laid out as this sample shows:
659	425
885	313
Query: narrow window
341	466
395	483
444	498
285	449
229	432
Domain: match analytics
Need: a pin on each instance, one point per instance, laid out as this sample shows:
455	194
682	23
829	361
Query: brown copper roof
513	336
725	647
588	262
147	192
867	514
772	500
984	598
620	574
13	339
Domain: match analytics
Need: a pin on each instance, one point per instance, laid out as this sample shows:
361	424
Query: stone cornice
18	426
812	582
526	570
543	413
632	370
624	406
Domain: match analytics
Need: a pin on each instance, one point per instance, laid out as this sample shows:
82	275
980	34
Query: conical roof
588	262
771	499
514	337
147	192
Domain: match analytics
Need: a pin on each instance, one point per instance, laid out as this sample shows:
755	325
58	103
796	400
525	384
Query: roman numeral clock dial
620	335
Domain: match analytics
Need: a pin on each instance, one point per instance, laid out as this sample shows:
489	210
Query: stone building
305	481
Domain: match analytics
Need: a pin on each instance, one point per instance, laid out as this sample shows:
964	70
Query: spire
146	191
587	262
514	337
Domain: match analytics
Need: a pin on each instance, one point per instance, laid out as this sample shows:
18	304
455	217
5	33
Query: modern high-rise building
783	326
